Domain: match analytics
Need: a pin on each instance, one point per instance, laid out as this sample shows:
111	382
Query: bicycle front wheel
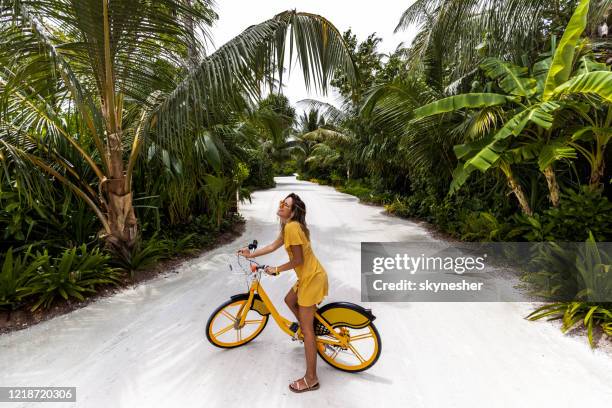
221	328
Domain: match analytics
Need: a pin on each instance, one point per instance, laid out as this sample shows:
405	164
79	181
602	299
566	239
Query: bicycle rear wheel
362	350
221	329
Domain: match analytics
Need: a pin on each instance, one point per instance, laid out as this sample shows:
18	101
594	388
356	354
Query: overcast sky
363	17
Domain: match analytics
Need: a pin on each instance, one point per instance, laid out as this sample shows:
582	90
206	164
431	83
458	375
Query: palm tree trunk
520	196
553	187
121	217
517	190
234	203
597	171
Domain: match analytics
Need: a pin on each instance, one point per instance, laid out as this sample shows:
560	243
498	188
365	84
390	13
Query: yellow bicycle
345	335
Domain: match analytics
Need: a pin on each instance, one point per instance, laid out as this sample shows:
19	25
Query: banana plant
533	103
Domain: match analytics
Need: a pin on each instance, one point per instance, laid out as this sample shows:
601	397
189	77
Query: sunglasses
283	204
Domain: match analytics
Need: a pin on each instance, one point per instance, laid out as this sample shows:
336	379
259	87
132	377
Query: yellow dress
312	285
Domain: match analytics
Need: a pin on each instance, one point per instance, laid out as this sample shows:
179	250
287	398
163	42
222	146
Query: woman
311	287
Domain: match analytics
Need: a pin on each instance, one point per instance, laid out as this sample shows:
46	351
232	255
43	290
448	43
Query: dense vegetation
123	142
493	126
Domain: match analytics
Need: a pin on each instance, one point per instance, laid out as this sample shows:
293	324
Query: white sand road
145	347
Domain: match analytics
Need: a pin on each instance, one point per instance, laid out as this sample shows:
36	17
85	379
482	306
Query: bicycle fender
346	313
258	305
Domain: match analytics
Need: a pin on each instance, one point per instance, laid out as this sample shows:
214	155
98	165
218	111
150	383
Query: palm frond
244	62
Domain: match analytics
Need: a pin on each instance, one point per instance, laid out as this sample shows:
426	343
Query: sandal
307	388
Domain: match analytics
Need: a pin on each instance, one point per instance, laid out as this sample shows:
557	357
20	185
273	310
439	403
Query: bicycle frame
282	322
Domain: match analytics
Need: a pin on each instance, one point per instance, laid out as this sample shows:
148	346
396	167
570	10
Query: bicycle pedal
294	327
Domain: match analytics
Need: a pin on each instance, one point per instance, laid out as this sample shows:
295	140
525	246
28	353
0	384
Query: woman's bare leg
306	317
291	301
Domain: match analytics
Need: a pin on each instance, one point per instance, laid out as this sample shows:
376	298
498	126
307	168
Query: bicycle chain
319	329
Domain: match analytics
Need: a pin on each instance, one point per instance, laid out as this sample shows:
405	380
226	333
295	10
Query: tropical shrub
17	270
579	212
142	255
588	280
577	313
75	273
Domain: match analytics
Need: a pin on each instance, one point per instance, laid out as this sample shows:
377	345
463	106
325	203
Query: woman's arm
277	243
297	260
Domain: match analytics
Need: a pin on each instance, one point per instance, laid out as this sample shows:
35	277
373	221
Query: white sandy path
145	347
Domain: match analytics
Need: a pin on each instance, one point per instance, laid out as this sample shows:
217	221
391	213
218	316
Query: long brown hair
298	213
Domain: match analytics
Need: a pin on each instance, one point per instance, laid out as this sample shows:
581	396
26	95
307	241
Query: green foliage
261	169
561	65
142	255
368	63
17	222
579	213
577	313
73	274
17	270
587	278
360	189
287	168
50	223
484	226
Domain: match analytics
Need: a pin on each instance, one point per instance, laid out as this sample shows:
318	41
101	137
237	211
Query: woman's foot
304	384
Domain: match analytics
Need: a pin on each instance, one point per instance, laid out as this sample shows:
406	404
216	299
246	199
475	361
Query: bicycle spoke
239	334
228	315
362	336
328	337
356	353
223	330
253	321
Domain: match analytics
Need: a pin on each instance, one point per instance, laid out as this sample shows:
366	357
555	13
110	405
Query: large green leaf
561	66
208	149
588	65
460	176
540	114
468	150
523	152
554	151
469	100
539	71
512	78
597	82
588	133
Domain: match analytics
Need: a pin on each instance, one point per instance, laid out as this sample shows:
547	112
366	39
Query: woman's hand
270	270
245	252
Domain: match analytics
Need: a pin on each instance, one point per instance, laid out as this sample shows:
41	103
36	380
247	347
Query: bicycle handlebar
255	266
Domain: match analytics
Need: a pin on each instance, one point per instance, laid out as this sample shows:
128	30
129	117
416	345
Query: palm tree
459	34
326	139
271	125
113	64
309	121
